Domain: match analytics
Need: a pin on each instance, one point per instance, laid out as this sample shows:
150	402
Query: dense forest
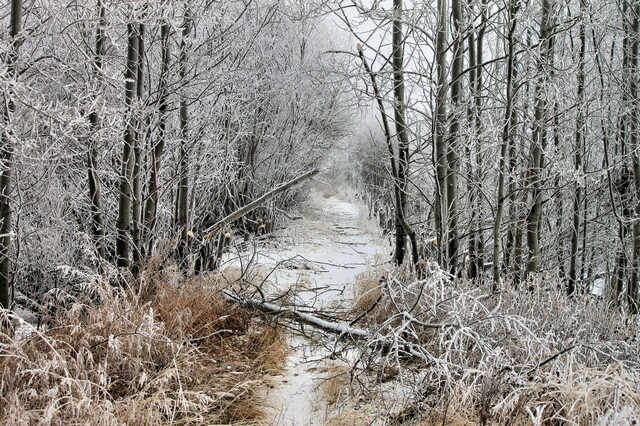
495	143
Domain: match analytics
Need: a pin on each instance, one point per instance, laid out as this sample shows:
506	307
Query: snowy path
320	257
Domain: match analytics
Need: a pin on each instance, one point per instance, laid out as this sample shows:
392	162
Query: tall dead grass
176	355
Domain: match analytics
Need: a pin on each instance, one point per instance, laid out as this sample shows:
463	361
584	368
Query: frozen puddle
317	259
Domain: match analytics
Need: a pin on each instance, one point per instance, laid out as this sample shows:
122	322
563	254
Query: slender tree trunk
6	160
136	211
539	141
578	185
397	187
440	146
506	142
123	222
95	194
183	184
634	116
401	132
453	160
152	197
474	178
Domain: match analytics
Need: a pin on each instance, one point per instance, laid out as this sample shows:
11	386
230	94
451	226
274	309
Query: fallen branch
216	227
328	326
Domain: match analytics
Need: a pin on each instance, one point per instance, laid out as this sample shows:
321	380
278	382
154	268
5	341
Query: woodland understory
494	144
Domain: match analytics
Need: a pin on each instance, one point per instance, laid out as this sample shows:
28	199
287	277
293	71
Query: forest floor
313	264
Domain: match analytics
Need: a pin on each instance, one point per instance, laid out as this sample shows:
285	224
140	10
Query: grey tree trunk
505	144
634	50
152	196
183	184
401	132
6	159
136	177
95	194
539	141
123	222
580	129
439	130
397	187
453	160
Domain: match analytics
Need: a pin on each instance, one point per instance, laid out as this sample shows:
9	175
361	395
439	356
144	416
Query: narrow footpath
314	262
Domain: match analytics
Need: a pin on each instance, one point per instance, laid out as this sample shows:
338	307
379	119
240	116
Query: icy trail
319	257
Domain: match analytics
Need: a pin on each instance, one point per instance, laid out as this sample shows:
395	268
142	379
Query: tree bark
440	146
453	160
578	185
506	142
634	116
95	194
123	222
183	184
401	132
6	160
539	141
152	197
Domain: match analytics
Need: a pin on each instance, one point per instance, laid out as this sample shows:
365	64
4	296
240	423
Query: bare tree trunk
474	178
183	184
580	129
6	160
397	187
506	142
401	132
152	197
440	146
539	141
634	116
453	160
95	194
123	222
137	151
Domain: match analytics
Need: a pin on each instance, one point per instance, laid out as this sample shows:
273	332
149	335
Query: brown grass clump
336	385
183	356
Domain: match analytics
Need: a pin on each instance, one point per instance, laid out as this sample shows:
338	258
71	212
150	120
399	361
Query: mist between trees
505	147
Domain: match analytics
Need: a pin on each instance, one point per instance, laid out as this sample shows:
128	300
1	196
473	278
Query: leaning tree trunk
6	154
123	222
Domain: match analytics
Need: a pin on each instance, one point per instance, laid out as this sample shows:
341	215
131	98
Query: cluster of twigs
518	356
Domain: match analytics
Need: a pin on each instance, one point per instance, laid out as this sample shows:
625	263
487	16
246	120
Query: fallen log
342	329
216	227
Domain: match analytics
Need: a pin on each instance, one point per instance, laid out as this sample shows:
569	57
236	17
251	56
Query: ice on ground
318	258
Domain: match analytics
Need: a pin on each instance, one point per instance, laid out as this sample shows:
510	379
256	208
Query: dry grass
176	355
517	357
336	385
